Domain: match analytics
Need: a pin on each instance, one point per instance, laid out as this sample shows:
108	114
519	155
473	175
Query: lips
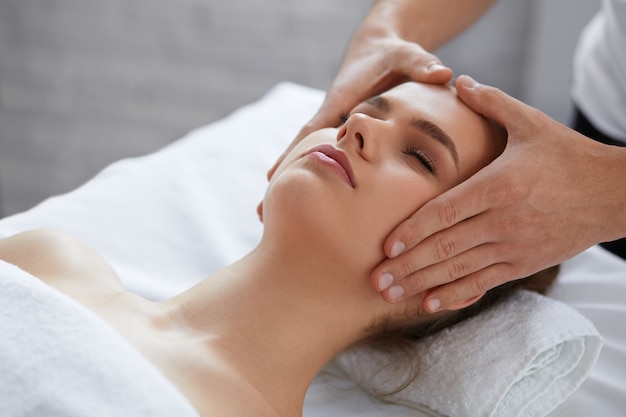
336	160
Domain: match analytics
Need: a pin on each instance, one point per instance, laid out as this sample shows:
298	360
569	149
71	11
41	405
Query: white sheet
164	222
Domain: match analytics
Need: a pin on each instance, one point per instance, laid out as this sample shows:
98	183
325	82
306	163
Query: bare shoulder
216	387
61	260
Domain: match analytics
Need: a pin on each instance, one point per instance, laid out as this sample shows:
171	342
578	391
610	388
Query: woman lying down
249	339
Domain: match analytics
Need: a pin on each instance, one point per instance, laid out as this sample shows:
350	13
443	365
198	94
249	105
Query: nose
362	130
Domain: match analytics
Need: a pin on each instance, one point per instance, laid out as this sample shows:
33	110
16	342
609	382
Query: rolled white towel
523	357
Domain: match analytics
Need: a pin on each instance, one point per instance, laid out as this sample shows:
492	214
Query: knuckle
513	226
503	190
421	58
479	285
410	232
413	285
516	187
448	214
410	51
494	95
533	117
445	248
455	295
456	270
406	268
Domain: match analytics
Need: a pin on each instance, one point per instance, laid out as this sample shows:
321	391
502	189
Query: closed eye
422	157
425	160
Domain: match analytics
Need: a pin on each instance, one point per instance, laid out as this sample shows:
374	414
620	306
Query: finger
411	62
460	203
259	211
491	102
419	65
328	115
443	273
437	73
279	161
440	247
451	295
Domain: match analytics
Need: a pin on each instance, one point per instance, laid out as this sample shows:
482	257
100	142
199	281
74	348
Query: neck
278	318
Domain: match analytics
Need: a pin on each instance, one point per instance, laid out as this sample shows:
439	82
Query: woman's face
346	188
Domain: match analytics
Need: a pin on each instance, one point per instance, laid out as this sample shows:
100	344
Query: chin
302	210
295	204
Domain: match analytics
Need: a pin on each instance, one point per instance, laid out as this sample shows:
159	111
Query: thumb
489	101
431	72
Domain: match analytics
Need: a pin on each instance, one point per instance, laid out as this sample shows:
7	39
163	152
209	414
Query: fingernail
468	82
435	66
397	248
433	305
395	293
385	281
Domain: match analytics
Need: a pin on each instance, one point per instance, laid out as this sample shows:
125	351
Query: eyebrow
424	126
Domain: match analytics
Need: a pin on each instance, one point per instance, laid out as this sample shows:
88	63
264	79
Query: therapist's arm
552	194
390	47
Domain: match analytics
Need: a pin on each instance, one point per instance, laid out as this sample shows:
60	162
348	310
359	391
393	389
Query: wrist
402	19
382	21
615	198
425	22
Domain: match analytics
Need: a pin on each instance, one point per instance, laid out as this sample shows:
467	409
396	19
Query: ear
466	303
259	211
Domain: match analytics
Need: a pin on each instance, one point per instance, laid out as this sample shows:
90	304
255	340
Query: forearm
390	47
612	193
430	23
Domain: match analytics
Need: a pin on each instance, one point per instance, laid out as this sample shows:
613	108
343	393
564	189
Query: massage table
166	220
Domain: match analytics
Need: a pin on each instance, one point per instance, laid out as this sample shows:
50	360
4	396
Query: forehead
427	98
472	134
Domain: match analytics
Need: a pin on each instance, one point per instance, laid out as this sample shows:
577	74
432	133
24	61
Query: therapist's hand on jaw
551	194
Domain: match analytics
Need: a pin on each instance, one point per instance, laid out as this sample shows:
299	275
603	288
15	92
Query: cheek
302	209
400	191
396	198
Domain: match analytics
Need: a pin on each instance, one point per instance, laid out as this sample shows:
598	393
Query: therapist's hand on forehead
549	196
377	59
391	47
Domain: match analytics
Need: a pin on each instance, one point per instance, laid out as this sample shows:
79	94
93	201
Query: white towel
521	358
59	359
